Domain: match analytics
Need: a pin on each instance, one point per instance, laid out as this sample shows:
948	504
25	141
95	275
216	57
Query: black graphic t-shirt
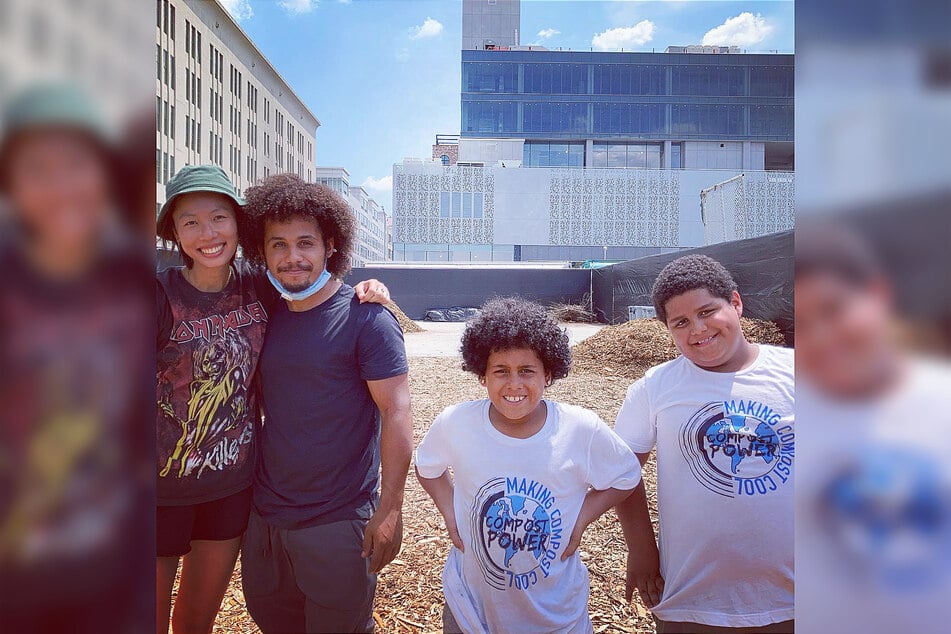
208	349
75	375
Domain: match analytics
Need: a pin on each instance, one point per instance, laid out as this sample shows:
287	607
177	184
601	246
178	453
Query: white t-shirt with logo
725	455
516	501
873	507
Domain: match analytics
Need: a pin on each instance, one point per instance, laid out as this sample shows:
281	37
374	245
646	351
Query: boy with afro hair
528	476
721	419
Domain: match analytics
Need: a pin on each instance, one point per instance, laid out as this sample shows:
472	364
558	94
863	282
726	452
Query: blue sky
383	76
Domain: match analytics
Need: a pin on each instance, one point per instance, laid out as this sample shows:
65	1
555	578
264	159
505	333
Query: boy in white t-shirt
528	476
721	419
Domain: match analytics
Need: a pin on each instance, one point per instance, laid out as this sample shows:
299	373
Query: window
490	77
676	156
772	121
627	155
772	81
554	117
706	119
555	79
629	79
707	80
629	118
444	159
444	205
545	154
489	116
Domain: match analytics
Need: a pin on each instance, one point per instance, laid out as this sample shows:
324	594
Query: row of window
217	63
165	117
622	118
544	154
165	66
192	88
165	16
632	155
192	134
164	166
627	79
461	205
193	41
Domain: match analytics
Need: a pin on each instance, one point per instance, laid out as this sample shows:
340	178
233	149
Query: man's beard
298	286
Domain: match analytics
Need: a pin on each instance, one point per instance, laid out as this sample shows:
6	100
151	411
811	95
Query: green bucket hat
49	106
191	179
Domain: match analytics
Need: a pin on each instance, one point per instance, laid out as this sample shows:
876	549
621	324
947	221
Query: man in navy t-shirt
336	408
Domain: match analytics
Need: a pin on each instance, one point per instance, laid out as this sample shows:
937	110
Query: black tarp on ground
762	268
417	290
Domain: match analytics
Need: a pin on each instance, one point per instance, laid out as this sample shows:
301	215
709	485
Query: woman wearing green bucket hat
212	316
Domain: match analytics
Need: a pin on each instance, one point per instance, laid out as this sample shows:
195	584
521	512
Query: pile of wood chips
631	348
407	324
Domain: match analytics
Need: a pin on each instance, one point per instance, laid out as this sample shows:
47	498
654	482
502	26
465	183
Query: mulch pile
631	348
407	324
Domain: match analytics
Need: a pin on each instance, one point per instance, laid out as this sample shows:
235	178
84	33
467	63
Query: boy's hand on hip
453	531
645	576
575	540
382	538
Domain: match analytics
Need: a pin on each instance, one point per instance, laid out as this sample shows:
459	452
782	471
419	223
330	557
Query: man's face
842	333
706	329
295	252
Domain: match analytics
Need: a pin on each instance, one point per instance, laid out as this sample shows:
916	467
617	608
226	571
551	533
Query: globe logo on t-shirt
517	532
739	447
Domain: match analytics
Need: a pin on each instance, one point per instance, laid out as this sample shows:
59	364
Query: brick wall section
452	151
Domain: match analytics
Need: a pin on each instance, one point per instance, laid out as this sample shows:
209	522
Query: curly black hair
283	197
687	273
512	322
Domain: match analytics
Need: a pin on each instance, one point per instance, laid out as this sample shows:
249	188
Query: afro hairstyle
285	197
686	274
509	323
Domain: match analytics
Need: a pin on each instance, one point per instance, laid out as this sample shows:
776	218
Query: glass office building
658	96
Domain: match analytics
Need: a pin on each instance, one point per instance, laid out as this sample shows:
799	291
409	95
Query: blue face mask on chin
300	295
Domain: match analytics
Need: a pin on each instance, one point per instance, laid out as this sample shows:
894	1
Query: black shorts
218	520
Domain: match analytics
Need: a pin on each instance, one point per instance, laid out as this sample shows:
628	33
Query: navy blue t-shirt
320	446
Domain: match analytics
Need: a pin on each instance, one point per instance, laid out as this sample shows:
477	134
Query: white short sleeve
635	423
611	464
433	455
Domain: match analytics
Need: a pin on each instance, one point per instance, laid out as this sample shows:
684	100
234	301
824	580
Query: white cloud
297	7
745	29
239	9
547	33
624	37
383	184
429	28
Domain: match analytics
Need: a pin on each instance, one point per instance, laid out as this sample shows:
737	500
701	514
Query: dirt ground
409	592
